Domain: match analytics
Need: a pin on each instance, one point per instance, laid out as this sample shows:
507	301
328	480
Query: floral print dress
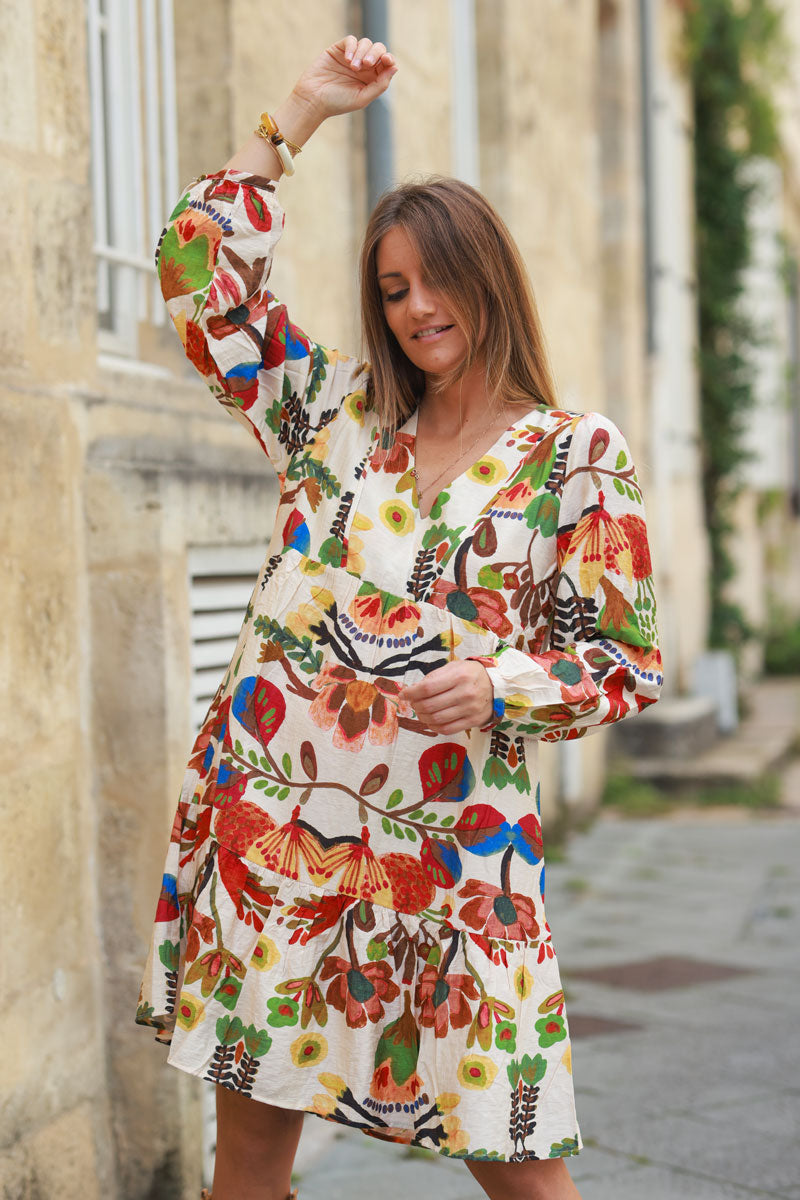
352	917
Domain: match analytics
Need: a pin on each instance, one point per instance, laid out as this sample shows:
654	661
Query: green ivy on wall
735	49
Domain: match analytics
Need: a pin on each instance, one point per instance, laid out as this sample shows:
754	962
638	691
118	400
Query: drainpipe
378	115
646	76
659	442
464	93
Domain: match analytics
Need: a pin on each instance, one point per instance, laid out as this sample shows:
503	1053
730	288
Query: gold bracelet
284	149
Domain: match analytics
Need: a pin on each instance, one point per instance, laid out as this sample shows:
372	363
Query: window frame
134	167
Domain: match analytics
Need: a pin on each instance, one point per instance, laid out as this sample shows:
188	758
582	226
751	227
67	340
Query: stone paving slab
703	1101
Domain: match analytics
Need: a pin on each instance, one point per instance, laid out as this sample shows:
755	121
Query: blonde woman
352	918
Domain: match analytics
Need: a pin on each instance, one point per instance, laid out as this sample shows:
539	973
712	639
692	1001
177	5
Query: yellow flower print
457	1138
397	516
476	1071
308	1049
487	470
523	982
310	567
324	1106
265	955
334	1083
447	1101
566	1059
300	621
191	1011
355	544
353	406
318	450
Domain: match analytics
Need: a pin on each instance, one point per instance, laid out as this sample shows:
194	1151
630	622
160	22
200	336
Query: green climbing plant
735	50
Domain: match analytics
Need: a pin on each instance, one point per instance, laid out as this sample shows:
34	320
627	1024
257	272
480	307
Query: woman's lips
430	333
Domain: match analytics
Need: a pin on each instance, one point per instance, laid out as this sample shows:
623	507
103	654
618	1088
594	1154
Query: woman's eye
390	296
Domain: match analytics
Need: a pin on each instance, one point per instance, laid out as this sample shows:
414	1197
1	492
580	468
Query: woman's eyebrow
391	275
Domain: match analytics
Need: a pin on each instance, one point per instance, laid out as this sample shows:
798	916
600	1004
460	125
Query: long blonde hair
472	260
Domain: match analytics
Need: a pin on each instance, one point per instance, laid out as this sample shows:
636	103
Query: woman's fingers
363	48
374	54
348	46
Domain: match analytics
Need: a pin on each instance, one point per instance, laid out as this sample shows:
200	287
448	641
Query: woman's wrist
298	117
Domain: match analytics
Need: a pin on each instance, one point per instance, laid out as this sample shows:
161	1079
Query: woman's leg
530	1180
256	1145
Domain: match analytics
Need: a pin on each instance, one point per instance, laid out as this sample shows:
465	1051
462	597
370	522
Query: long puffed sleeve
602	661
213	260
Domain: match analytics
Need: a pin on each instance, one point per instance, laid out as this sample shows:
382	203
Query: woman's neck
464	403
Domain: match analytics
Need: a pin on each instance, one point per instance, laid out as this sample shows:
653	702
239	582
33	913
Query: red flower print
240	824
359	991
213	967
636	530
193	225
484	606
411	889
394	459
310	918
215	730
602	543
443	1000
284	849
379	612
517	497
497	913
355	708
362	873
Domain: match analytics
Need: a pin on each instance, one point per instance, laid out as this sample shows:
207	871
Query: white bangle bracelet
269	131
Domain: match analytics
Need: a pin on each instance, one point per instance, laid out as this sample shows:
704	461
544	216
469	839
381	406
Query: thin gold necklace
460	455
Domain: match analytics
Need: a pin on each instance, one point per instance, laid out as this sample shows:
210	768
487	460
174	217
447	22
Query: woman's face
417	315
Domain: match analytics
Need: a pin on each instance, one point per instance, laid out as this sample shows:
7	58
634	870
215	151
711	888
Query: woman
352	916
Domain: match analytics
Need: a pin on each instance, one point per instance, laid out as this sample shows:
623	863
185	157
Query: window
221	580
134	159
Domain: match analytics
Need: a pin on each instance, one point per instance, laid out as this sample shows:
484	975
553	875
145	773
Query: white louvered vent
221	579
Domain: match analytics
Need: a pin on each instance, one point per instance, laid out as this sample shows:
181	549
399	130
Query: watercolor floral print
352	915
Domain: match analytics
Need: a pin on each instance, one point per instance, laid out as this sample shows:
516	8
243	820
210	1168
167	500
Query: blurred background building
136	513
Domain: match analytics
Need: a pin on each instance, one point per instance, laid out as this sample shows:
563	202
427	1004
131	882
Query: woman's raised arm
215	256
344	78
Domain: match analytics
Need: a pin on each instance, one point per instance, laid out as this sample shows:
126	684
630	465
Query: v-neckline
410	429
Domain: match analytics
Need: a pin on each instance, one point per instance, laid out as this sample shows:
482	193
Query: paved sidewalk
688	1071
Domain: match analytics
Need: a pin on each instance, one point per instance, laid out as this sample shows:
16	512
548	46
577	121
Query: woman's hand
453	698
347	76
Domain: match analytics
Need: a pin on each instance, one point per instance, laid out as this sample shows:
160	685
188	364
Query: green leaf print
542	514
495	773
319	369
228	992
189	263
229	1030
489	577
564	1148
169	953
529	1070
622	459
286	763
256	1041
395	799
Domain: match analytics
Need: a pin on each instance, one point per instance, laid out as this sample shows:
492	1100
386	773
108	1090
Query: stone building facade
119	473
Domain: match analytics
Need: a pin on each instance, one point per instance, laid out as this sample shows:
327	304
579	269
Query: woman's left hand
453	698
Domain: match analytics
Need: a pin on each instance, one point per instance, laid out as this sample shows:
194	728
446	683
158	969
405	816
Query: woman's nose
421	301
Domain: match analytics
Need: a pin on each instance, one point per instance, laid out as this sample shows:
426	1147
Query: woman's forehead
396	253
